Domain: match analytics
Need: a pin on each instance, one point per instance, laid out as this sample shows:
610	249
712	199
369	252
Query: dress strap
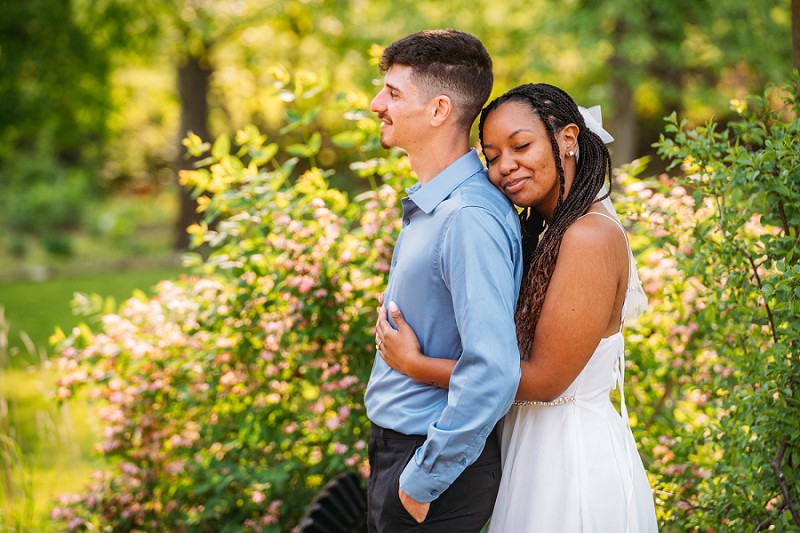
609	217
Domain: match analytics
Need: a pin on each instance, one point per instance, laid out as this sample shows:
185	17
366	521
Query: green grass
54	443
34	309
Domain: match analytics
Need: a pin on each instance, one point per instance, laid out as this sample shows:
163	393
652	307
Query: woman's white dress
571	465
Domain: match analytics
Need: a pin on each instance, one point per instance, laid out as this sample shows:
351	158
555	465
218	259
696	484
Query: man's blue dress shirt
455	276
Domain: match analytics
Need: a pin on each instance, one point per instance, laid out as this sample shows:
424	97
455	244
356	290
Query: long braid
540	248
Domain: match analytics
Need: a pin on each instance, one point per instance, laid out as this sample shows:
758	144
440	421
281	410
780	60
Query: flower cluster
713	363
232	395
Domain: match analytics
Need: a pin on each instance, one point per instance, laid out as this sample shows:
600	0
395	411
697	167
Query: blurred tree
185	32
53	119
659	56
54	81
200	38
207	66
641	59
796	34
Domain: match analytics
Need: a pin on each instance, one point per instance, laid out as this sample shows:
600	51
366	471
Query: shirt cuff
419	484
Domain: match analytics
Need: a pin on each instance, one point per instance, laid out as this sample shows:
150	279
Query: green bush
716	357
231	396
44	199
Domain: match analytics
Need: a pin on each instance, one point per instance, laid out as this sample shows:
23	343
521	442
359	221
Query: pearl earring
570	153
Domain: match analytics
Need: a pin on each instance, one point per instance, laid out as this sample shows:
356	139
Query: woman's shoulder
596	230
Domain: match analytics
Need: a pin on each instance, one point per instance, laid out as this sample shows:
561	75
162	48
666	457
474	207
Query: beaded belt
558	401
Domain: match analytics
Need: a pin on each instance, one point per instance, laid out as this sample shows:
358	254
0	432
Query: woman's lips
515	185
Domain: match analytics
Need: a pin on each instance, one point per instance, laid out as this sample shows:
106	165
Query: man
455	274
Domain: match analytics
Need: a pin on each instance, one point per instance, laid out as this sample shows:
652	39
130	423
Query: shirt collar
445	182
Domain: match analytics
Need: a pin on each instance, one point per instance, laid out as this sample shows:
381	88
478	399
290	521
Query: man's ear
441	109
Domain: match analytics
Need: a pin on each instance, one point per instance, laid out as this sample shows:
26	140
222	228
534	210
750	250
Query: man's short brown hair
447	62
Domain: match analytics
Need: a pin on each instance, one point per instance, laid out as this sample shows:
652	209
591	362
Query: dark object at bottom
341	507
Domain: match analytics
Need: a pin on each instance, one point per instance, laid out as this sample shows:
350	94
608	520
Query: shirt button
434	492
462	462
405	222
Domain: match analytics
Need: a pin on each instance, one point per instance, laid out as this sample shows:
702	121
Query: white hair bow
594	121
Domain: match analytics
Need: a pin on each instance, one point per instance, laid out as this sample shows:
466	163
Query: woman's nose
507	165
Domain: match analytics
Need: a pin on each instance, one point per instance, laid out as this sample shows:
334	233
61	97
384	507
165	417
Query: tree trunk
796	34
193	83
621	122
623	125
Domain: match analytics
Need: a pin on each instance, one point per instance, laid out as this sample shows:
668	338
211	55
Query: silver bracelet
558	401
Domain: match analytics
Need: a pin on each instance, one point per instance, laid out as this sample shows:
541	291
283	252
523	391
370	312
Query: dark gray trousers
463	508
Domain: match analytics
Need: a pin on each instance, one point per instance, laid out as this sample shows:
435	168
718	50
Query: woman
569	459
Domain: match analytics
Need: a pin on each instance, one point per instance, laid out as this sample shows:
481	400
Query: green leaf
348	139
222	146
264	154
315	142
299	150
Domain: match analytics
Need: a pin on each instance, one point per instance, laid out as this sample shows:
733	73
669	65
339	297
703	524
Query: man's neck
428	161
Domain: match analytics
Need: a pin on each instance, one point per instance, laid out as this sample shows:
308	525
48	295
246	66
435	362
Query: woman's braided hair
540	248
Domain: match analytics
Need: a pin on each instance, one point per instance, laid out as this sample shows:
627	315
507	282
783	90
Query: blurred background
96	96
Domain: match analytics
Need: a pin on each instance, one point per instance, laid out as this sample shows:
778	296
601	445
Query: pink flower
306	284
64	393
229	378
678	191
339	448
